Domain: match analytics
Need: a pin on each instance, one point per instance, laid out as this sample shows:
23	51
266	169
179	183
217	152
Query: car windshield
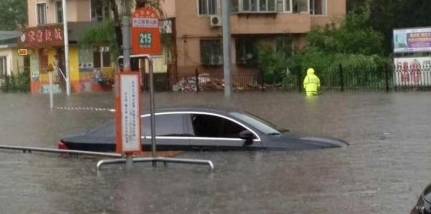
260	124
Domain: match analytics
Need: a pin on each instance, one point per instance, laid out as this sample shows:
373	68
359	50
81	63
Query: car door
171	133
214	132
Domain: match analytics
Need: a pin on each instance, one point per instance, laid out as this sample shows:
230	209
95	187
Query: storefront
91	70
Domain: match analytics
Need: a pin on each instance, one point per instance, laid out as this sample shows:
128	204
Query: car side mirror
247	136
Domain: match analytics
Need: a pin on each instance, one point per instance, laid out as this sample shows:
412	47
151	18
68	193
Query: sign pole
152	111
226	49
51	96
146	42
66	47
125	28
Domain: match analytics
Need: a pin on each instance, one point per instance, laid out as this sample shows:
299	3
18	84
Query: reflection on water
383	171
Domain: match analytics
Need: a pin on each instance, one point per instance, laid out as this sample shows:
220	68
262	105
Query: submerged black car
423	206
202	129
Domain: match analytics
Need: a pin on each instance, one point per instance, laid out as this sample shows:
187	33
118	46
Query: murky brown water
383	171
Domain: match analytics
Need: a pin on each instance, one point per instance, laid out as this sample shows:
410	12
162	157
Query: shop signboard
412	71
42	37
412	40
22	52
129	125
146	32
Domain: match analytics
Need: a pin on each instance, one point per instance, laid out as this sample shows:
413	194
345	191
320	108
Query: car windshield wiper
274	133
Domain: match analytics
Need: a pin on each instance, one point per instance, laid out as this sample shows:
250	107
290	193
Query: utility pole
125	28
226	49
66	48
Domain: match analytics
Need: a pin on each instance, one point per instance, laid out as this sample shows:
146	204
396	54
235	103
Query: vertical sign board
412	71
129	140
146	32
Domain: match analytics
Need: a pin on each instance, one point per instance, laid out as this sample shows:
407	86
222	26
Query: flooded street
384	169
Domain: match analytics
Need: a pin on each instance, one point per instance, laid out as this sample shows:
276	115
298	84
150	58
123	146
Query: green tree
109	32
13	14
391	14
353	44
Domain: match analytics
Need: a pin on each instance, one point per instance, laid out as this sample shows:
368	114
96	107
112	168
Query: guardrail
59	151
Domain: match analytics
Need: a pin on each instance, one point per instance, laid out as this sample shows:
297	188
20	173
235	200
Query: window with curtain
257	5
207	7
211	52
41	14
318	7
3	67
59	11
300	6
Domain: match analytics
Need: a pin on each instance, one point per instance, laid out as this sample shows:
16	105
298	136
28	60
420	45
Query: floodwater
383	170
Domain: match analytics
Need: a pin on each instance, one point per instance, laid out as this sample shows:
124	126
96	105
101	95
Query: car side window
166	125
214	126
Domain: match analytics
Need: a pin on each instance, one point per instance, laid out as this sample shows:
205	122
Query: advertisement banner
412	71
412	40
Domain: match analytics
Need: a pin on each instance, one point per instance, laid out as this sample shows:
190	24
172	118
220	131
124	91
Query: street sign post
145	44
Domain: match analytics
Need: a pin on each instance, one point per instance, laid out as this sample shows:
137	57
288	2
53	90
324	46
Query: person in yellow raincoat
311	83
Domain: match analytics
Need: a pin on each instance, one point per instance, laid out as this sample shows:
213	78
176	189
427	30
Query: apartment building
198	29
90	68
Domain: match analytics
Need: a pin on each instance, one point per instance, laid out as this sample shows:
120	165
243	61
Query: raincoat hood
310	71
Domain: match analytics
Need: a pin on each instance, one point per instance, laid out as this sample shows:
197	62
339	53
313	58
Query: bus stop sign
146	32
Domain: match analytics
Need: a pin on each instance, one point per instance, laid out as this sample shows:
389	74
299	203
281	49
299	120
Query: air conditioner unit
166	26
215	21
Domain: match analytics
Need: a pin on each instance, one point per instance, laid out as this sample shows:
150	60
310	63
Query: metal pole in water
51	96
152	111
66	47
129	162
226	49
125	27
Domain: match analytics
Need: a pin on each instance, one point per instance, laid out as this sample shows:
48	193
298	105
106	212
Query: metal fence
208	81
335	78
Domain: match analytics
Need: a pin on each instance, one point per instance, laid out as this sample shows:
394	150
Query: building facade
198	29
10	62
90	69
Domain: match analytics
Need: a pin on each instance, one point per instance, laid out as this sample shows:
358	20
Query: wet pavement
383	171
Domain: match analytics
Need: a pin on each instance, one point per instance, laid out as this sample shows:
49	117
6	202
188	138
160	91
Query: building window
246	51
318	7
287	5
59	11
257	5
3	67
96	59
211	52
207	7
102	58
300	6
41	13
106	56
100	10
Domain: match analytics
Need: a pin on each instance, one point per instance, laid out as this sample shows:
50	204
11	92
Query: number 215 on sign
145	40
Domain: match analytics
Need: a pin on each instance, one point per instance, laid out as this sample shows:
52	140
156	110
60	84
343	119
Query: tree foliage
389	14
101	34
13	14
272	59
354	36
109	33
353	43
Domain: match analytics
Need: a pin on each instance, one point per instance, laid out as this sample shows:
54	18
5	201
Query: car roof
217	110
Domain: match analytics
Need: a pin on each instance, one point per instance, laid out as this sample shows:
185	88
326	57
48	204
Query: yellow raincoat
311	83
